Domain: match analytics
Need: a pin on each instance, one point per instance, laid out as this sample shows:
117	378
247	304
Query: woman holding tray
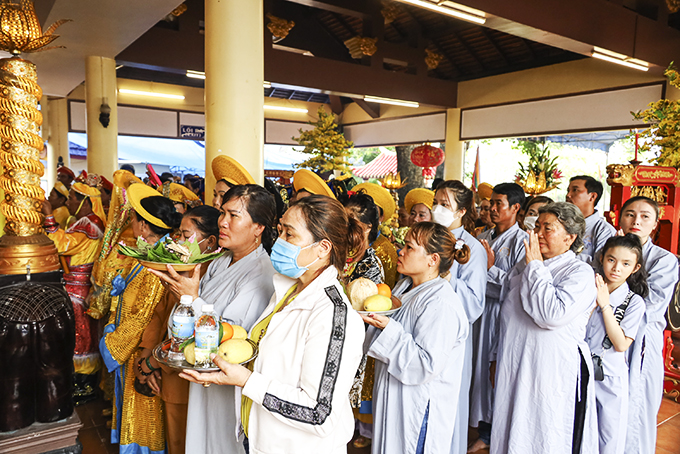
137	418
239	285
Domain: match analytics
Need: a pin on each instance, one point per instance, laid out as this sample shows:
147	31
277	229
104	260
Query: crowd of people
534	321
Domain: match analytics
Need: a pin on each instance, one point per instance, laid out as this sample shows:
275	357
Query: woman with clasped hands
544	387
295	399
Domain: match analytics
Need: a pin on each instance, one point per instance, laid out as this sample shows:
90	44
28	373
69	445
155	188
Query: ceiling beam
356	8
354	80
336	104
366	108
578	25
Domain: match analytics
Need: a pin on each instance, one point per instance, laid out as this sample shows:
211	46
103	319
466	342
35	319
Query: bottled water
206	334
182	328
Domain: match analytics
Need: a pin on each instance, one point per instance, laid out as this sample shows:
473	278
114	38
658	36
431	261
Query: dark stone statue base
59	437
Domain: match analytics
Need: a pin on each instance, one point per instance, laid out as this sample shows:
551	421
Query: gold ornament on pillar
24	248
279	27
360	46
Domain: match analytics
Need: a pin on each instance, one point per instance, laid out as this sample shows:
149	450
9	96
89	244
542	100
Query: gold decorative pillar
100	89
454	166
234	74
57	119
24	245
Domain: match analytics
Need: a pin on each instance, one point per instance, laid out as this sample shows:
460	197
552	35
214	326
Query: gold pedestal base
17	253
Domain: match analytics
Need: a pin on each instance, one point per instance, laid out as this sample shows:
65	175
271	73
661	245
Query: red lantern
429	172
427	156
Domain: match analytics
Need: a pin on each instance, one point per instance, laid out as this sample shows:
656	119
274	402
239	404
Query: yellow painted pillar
57	130
454	166
234	74
100	88
51	159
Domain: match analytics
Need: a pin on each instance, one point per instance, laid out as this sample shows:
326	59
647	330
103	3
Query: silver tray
160	353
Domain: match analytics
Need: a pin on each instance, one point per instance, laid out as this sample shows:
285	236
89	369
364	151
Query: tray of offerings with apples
235	348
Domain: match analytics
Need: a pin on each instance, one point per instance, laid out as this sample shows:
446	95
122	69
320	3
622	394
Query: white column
454	166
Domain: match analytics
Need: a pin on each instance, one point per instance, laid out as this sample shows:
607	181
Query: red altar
662	185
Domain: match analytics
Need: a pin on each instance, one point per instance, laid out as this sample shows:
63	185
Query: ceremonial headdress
180	194
67	171
135	193
95	199
61	188
228	169
306	180
418	195
484	191
381	197
105	184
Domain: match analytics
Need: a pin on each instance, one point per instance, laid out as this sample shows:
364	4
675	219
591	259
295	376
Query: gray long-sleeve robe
419	358
545	311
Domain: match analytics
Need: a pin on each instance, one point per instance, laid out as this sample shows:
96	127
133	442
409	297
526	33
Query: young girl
611	330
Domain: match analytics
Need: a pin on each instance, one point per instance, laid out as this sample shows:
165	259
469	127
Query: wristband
148	364
141	371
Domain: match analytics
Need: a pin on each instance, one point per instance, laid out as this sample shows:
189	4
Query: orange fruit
227	332
384	290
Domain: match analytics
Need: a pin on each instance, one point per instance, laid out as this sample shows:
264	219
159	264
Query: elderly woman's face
293	229
553	239
420	213
237	229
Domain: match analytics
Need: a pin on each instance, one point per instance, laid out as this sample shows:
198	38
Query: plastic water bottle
206	335
182	328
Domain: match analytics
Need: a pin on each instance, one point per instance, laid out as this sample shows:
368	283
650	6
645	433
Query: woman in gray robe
419	352
239	285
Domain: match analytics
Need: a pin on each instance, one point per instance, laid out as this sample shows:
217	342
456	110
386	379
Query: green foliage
328	147
168	251
365	155
539	161
664	134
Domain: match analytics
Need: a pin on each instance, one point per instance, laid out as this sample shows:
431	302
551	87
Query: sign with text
192	132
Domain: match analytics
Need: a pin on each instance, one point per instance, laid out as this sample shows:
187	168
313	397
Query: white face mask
443	216
530	222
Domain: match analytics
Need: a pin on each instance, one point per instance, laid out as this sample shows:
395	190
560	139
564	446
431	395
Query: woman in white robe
296	392
640	215
454	208
419	351
543	362
239	285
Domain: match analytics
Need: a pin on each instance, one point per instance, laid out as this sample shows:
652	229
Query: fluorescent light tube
446	10
630	64
394	102
149	93
285	109
196	74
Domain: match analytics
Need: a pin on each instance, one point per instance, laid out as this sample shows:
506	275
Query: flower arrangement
664	134
168	251
540	174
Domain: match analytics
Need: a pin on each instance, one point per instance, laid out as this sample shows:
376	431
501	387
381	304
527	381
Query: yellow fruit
377	303
235	351
360	289
239	332
189	353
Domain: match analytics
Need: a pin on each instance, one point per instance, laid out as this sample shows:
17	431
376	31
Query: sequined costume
387	254
137	420
79	246
61	215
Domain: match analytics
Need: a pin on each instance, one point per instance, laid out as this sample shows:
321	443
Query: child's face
618	264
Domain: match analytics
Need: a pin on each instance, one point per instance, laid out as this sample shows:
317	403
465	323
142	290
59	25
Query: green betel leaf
131	252
143	245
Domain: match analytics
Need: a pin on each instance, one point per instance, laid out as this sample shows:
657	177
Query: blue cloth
420	448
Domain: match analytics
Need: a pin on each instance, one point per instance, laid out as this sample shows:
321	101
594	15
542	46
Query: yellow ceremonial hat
136	193
61	188
484	191
180	194
227	168
418	195
381	197
306	180
123	179
95	198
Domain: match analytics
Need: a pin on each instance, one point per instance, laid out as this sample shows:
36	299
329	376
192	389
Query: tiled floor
95	435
